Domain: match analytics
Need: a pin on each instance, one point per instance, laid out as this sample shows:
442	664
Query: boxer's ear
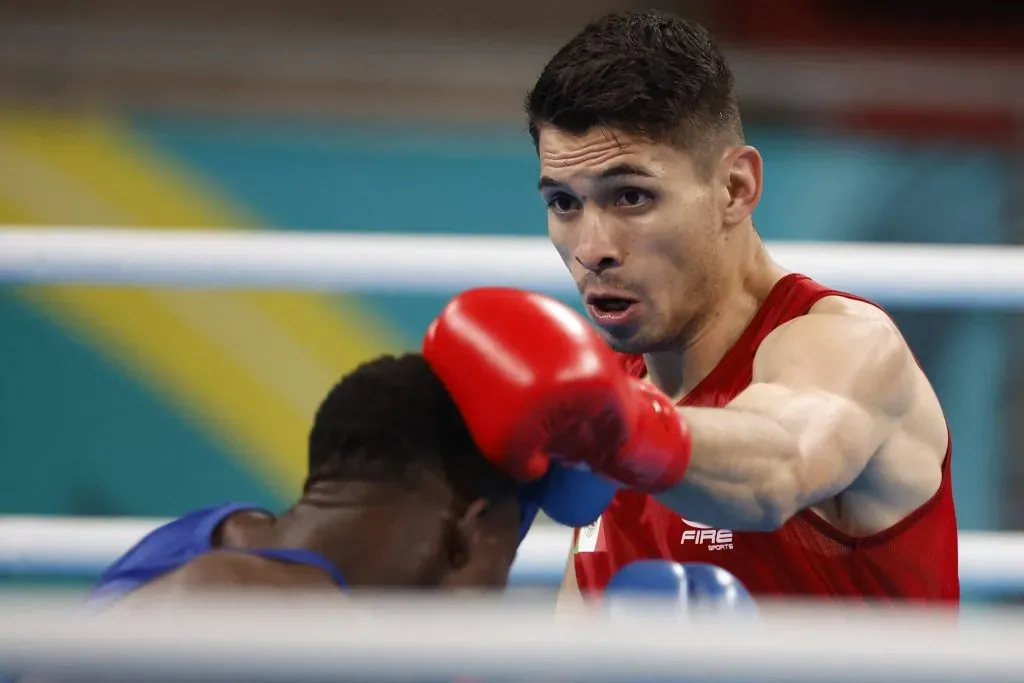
467	533
743	174
483	545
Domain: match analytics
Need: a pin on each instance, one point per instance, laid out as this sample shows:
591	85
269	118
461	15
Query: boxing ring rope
897	274
991	563
418	638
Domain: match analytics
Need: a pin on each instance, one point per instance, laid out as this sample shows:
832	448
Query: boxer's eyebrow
546	182
619	170
616	171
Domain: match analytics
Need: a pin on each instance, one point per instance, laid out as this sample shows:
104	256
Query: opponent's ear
466	535
476	558
743	173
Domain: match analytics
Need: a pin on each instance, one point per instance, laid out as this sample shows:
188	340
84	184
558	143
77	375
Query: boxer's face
640	229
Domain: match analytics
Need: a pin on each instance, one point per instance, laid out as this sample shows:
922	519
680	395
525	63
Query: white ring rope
447	638
54	546
990	562
910	274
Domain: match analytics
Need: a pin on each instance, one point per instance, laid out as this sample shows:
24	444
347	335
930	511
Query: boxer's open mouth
610	308
611	304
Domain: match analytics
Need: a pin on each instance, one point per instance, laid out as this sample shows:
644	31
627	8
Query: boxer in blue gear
397	496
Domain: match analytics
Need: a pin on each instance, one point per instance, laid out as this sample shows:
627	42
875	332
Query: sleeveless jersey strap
309	558
815	292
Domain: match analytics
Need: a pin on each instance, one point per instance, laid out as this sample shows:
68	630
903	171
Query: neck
744	278
354	526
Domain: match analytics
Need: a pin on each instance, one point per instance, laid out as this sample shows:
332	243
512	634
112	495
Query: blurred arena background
883	122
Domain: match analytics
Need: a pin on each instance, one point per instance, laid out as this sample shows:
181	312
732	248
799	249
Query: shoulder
851	309
839	323
865	320
224	568
840	341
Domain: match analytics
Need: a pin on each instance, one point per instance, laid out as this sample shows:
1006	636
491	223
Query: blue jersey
177	543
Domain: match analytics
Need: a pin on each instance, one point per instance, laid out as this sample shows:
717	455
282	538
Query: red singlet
914	559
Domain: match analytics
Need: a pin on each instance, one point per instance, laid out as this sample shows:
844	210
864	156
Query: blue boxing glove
570	497
576	497
695	585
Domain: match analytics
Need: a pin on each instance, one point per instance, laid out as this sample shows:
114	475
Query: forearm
743	471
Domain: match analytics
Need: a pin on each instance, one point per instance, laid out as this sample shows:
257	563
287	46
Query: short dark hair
389	420
651	74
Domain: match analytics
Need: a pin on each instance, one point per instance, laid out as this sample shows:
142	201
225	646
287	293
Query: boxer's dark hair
391	419
650	74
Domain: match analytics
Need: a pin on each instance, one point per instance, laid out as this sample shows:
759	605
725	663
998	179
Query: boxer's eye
562	203
632	197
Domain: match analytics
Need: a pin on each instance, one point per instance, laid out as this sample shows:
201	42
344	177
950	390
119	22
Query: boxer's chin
625	341
637	340
632	332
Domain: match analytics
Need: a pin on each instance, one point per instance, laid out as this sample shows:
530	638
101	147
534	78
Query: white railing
437	637
914	274
990	562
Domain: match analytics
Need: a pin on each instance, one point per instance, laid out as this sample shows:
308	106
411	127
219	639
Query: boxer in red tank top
811	454
914	558
790	424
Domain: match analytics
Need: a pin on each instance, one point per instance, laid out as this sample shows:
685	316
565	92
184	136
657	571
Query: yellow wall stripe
250	366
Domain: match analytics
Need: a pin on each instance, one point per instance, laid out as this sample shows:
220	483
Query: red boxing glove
536	383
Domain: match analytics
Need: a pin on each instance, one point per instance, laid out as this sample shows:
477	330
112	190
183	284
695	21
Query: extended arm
827	390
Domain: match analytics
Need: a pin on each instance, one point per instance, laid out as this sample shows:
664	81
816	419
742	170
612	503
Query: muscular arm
827	390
